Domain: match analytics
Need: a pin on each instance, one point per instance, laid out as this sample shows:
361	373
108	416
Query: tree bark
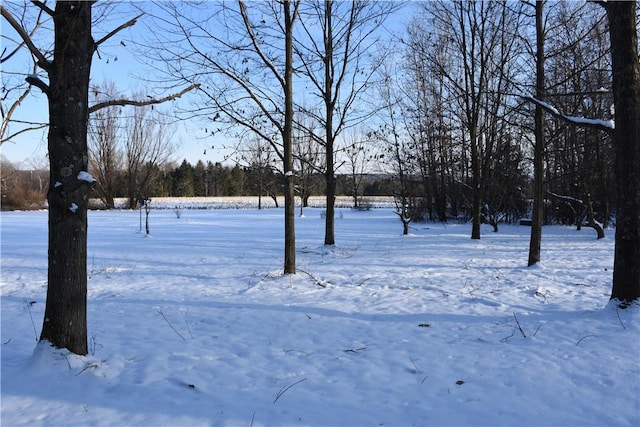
626	138
537	217
476	184
65	324
289	190
330	179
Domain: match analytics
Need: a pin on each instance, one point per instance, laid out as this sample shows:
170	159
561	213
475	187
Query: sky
115	61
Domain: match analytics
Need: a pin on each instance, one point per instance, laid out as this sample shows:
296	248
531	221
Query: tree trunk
626	97
591	221
329	229
476	193
329	233
289	190
537	217
65	317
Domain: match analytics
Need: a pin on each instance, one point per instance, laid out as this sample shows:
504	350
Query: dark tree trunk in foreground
538	150
65	316
65	324
626	97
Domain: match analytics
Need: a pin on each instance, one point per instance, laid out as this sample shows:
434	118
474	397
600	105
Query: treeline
22	189
578	186
214	179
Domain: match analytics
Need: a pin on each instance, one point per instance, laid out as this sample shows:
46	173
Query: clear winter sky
115	62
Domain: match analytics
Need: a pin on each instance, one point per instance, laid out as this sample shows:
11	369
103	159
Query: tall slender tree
334	49
537	217
477	78
242	54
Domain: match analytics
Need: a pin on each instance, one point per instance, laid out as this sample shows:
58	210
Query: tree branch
29	129
35	81
134	103
607	126
127	24
43	7
41	60
256	46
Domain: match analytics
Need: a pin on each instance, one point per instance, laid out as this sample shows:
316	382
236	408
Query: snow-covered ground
195	325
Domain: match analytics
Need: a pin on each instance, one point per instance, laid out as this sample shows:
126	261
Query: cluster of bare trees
129	146
458	106
247	79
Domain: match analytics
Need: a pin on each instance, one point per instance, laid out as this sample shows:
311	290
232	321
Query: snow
547	106
73	208
86	176
611	124
198	326
288	173
606	123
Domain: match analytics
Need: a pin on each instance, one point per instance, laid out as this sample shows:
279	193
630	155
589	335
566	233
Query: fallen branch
170	325
316	281
354	350
586	336
28	305
619	319
519	327
284	389
417	370
90	366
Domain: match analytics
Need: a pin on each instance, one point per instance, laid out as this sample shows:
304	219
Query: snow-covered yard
195	325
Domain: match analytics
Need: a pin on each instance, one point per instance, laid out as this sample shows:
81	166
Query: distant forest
26	189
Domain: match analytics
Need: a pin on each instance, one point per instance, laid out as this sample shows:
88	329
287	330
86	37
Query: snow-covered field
248	202
195	325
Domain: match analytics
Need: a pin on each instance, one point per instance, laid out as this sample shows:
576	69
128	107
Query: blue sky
115	61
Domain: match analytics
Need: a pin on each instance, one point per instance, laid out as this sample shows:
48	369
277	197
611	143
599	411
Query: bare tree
537	217
626	136
67	91
477	75
242	56
258	158
147	146
105	153
308	157
360	154
429	118
339	64
399	156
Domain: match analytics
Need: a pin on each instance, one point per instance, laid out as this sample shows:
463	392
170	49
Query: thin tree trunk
329	229
289	190
476	196
65	324
537	216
